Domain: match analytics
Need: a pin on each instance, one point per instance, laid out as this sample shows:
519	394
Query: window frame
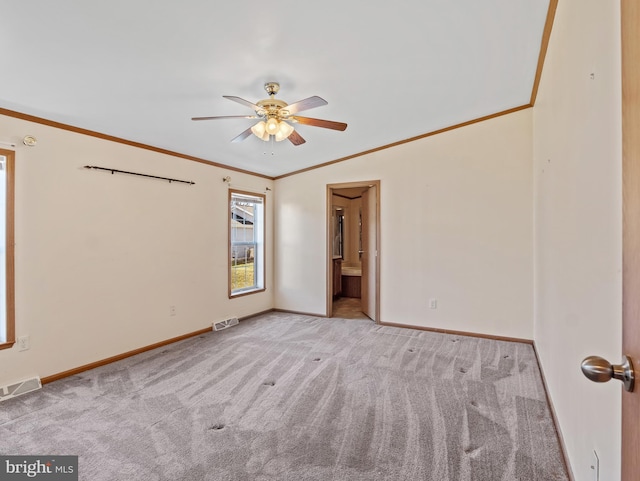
259	256
9	155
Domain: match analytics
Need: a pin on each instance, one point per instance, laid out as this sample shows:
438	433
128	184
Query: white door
369	252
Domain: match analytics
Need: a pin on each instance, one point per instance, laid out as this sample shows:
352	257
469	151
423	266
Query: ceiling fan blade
242	136
327	124
295	138
225	117
306	104
244	102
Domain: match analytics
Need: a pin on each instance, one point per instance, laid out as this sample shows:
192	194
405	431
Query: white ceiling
140	69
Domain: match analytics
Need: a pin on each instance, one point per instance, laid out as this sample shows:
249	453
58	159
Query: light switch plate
23	343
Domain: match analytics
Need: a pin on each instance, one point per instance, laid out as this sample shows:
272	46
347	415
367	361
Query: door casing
630	28
329	253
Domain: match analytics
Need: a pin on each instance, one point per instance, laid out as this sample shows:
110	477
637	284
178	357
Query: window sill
246	293
7	345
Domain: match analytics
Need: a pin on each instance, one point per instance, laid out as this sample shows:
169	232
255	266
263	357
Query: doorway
353	250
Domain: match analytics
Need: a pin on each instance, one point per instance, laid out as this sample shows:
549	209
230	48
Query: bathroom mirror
338	232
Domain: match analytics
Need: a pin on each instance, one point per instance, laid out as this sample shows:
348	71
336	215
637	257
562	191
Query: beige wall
577	170
101	257
456	225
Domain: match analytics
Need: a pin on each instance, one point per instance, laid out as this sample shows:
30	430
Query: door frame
329	241
630	37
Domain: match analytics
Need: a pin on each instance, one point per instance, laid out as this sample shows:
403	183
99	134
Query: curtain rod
136	173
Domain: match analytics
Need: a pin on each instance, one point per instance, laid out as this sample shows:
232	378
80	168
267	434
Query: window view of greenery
246	242
242	275
7	326
3	208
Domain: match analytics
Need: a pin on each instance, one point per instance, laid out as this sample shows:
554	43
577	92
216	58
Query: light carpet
293	397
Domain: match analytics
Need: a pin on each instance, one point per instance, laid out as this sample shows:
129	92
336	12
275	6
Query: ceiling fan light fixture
284	131
260	130
272	126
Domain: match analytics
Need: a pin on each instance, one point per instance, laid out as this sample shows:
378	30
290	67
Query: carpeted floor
291	397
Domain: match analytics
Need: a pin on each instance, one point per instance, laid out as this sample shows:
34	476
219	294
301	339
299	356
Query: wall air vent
220	325
17	389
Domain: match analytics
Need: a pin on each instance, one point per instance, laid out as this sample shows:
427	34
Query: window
7	327
246	243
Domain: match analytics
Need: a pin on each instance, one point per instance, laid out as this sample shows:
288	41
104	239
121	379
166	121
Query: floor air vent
19	388
220	325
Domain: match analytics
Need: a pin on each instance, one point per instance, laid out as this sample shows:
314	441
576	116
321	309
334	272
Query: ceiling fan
276	117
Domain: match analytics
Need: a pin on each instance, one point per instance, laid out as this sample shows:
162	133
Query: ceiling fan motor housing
272	108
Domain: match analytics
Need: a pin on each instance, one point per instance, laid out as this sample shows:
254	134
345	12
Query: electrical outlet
172	311
595	467
433	303
23	343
